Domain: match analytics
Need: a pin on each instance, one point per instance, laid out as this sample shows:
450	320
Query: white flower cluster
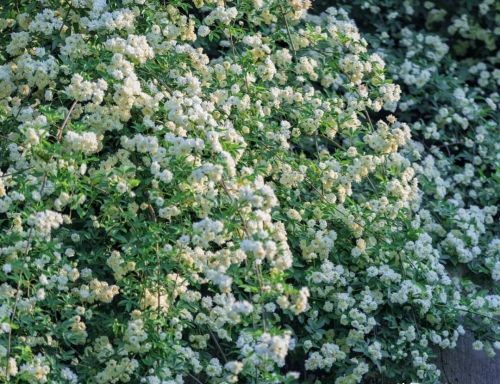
75	47
45	222
85	142
120	19
135	47
84	90
220	194
135	335
207	230
325	359
264	348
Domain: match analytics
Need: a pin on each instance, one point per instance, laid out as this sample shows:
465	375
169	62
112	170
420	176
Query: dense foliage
445	56
222	192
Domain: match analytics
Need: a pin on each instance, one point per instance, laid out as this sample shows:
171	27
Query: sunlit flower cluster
222	192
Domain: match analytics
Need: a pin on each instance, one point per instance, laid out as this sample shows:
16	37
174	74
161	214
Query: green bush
217	192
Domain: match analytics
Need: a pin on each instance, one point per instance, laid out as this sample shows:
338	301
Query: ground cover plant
224	191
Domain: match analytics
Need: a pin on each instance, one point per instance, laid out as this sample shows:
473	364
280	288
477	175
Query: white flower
86	142
203	31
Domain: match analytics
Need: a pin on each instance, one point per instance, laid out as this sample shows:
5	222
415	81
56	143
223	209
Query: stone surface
463	365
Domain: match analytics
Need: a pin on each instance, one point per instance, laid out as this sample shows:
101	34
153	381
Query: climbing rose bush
445	57
210	192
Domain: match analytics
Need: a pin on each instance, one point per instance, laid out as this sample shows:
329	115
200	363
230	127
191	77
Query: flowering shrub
211	192
444	56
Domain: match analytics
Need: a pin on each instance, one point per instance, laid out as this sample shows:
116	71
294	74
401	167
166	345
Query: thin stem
65	122
257	267
18	287
16	172
321	195
158	276
443	367
235	55
218	345
194	378
294	52
478	314
30	238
